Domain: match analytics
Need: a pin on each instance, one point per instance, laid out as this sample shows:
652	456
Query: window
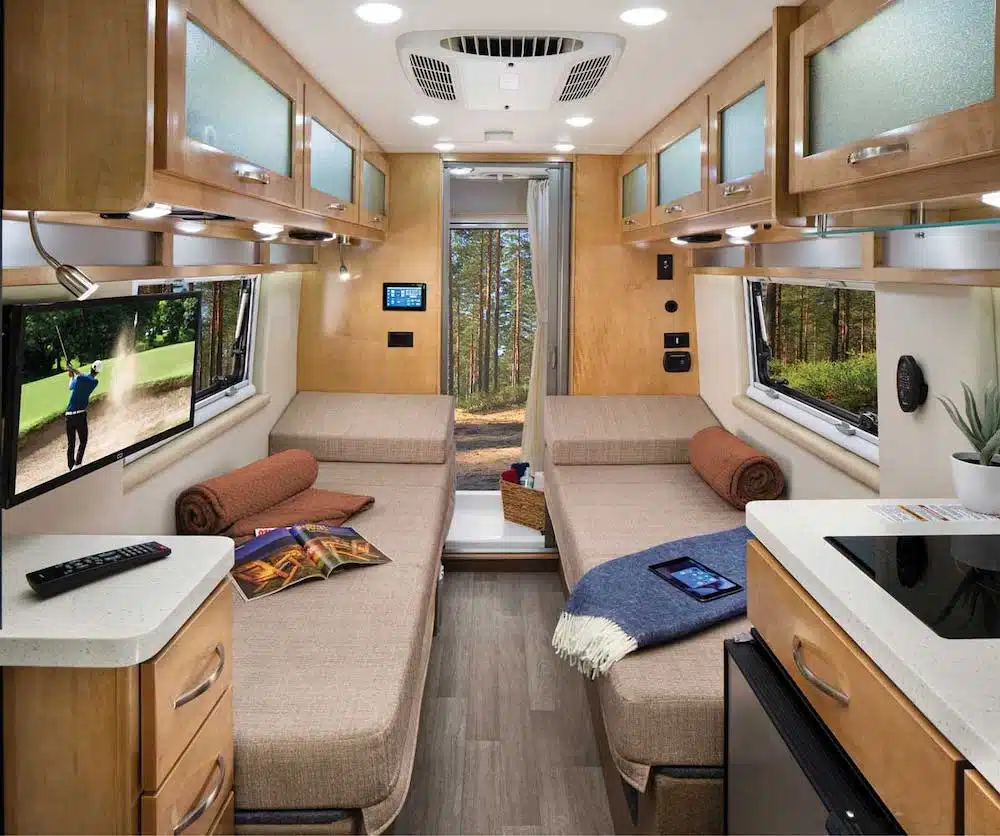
225	346
812	358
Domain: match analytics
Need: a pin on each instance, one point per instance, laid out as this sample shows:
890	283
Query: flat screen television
87	383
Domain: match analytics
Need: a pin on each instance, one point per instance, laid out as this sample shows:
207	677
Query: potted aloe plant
977	475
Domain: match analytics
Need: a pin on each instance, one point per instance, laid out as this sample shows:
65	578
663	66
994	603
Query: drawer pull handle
675	208
337	207
813	679
250	175
873	152
207	683
196	812
732	190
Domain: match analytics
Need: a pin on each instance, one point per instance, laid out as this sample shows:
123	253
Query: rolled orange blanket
311	506
216	504
733	469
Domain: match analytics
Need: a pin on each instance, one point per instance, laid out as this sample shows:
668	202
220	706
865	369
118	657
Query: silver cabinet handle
630	222
873	152
207	683
252	175
813	679
196	812
732	190
675	208
337	207
377	219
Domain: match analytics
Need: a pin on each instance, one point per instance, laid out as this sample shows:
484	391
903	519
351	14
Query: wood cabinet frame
639	154
319	105
371	154
745	74
959	135
174	151
690	116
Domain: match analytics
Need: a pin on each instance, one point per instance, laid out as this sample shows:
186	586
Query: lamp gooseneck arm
33	226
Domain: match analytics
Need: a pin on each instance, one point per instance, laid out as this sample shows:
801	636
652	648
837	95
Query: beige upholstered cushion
661	706
336	427
619	430
328	675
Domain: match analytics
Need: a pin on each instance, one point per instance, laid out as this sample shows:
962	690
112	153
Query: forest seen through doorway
493	316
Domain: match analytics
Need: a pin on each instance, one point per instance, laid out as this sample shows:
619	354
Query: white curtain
532	441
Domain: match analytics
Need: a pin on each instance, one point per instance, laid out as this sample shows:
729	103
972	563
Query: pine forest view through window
817	345
492	339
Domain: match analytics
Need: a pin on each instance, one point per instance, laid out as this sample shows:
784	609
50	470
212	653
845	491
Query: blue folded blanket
621	606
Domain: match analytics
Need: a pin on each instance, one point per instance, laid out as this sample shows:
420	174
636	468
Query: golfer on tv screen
81	387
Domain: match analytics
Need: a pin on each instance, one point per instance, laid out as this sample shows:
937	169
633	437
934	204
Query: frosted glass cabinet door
680	151
232	102
635	190
332	159
892	87
374	190
332	140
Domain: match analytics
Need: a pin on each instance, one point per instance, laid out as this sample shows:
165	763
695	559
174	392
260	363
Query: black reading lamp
70	277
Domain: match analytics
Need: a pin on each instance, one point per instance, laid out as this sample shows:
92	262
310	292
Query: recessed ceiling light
380	13
645	16
191	227
579	121
461	172
267	228
444	147
740	232
992	199
680	242
153	210
564	147
425	120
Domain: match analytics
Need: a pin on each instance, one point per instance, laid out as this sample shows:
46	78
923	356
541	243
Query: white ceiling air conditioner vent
585	78
509	71
512	46
433	77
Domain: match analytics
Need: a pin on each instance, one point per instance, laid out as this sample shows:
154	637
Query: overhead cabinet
331	157
680	151
374	186
739	158
229	112
634	196
880	88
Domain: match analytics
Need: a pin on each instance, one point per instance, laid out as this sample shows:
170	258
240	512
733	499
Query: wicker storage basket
524	506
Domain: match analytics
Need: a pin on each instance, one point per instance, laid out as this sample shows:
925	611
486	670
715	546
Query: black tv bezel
407	308
13	375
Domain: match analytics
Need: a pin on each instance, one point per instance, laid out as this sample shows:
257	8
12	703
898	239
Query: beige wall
950	330
618	317
98	503
342	327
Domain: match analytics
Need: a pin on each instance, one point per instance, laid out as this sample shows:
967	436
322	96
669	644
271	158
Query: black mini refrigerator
785	773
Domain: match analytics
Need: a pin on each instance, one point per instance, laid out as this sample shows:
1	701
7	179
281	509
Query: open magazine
282	557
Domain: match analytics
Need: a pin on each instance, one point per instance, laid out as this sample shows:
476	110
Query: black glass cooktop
950	582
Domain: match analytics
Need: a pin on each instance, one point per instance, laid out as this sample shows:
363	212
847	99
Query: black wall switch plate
681	339
677	361
665	267
400	339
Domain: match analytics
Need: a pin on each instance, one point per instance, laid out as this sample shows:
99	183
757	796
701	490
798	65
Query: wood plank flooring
506	744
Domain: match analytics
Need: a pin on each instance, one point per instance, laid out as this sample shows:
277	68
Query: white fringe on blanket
590	643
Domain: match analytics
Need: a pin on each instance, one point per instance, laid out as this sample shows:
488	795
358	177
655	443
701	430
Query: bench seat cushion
623	430
662	706
329	675
339	427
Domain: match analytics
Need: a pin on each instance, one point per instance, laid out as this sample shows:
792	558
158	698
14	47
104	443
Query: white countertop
114	622
955	683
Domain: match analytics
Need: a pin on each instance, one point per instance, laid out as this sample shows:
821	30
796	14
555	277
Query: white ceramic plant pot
977	485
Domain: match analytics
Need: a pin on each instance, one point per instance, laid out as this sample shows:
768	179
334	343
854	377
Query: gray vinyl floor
506	743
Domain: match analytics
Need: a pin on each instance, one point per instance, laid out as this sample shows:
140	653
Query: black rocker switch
665	267
679	340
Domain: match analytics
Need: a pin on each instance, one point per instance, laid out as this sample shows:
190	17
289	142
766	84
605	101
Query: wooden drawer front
910	765
228	24
687	124
982	805
225	823
198	788
183	682
960	134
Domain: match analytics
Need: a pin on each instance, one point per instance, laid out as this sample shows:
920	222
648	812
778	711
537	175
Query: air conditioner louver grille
584	78
528	46
434	77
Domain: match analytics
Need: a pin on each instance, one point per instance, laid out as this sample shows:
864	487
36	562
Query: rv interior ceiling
447	417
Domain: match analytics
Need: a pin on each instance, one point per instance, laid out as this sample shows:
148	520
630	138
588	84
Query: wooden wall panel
618	316
342	327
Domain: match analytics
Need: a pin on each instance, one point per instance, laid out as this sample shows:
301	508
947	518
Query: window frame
837	425
228	395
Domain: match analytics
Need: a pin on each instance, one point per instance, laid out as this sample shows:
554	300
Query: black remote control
62	577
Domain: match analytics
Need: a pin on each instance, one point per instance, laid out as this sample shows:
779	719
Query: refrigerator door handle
813	679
